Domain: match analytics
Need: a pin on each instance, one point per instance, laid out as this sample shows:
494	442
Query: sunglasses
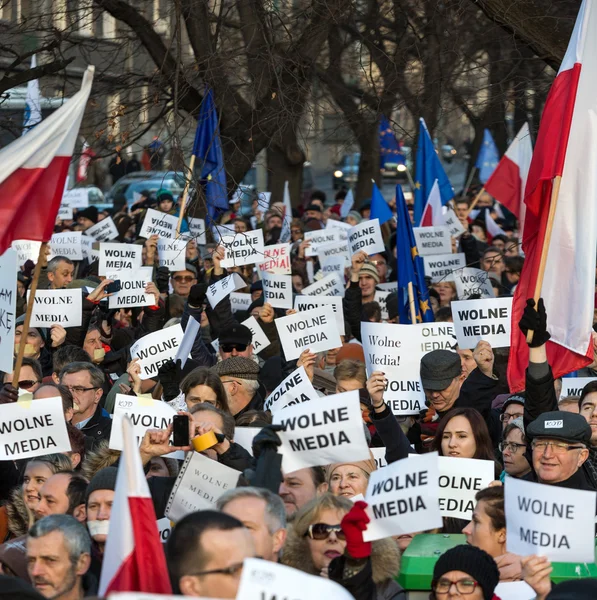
230	347
27	384
321	531
183	278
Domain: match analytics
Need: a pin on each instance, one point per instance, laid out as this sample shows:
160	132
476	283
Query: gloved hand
197	295
267	439
8	394
169	375
162	278
536	321
353	524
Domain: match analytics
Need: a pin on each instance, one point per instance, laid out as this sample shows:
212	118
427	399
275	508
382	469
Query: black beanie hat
472	561
17	589
89	213
105	479
574	589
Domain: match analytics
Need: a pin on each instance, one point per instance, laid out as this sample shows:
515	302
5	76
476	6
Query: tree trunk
368	162
280	170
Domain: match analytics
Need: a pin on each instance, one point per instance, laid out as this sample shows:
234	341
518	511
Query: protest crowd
387	401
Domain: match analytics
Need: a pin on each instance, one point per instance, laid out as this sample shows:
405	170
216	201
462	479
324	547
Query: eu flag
428	169
488	157
379	207
208	151
389	148
410	267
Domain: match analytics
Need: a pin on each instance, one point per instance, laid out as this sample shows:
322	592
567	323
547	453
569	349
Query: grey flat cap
561	425
439	368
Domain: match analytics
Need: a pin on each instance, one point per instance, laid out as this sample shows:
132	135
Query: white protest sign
103	231
132	288
470	282
277	290
441	267
573	386
321	433
305	303
219	231
487	320
67	244
243	436
276	260
197	230
114	257
453	224
156	348
263	200
382	299
32	428
159	223
65	213
240	301
397	351
60	307
87	248
459	481
341	226
200	483
26	250
330	285
75	198
144	414
260	340
172	254
389	286
366	236
333	265
549	521
296	388
330	251
8	303
265	579
315	330
243	249
379	454
164	529
433	240
188	339
514	590
323	237
403	498
217	291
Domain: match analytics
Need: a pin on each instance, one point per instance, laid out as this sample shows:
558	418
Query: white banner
341	226
366	236
441	267
433	240
321	433
487	320
397	351
57	307
403	498
156	348
67	244
159	223
277	260
114	257
103	231
32	428
132	290
550	521
454	225
305	303
323	237
199	484
277	290
26	250
295	389
243	249
8	303
197	230
172	254
217	291
240	301
260	340
315	329
75	198
573	386
334	265
471	282
330	285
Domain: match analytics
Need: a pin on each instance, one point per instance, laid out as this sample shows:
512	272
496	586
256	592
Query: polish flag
507	183
134	558
433	213
492	227
87	154
34	169
566	147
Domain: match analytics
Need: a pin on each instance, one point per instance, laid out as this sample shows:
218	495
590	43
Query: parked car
347	171
153	181
397	170
448	153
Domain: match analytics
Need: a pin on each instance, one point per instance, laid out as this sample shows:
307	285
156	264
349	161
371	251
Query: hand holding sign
484	358
536	571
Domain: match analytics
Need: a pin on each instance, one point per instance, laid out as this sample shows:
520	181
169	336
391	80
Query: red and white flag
567	147
87	154
507	183
492	227
134	558
433	213
34	169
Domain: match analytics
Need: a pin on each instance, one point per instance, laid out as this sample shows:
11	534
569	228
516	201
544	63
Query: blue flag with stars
488	157
379	207
428	169
410	267
389	147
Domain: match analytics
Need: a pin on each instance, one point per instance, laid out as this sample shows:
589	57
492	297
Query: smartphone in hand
180	430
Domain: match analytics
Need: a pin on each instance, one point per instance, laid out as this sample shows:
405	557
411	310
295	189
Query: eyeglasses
505	417
463	586
510	446
556	447
27	384
230	347
297	231
183	278
232	570
77	389
321	531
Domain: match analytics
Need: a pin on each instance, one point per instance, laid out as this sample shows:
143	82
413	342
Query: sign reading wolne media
473	282
132	288
159	223
243	249
330	285
260	340
487	320
433	240
114	257
397	351
295	389
366	236
277	290
276	260
441	267
155	349
60	307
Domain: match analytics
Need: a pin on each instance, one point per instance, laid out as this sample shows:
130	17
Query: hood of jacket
99	458
18	513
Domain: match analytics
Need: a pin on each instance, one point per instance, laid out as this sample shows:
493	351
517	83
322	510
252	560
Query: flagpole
185	193
411	302
474	202
469	180
30	303
555	192
410	180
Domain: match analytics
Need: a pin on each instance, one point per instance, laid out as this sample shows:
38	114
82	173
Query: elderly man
262	513
183	281
300	487
239	375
